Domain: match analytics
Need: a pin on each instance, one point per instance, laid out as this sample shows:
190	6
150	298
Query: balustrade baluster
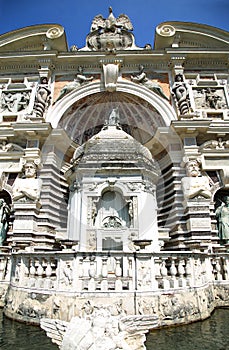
118	274
104	274
130	273
40	272
154	269
92	273
225	268
32	272
188	271
48	274
181	272
80	267
218	270
26	271
164	275
173	272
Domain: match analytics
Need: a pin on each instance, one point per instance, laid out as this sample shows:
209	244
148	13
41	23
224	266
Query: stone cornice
25	129
157	60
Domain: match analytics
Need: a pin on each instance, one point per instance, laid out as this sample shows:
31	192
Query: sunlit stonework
114	180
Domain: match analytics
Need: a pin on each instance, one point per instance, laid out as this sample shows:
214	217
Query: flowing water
211	334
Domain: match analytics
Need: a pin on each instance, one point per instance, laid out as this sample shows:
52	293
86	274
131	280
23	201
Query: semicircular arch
82	112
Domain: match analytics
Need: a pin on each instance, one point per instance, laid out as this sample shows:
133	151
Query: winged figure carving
111	23
100	330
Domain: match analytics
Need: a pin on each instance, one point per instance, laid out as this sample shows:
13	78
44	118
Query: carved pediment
34	38
190	35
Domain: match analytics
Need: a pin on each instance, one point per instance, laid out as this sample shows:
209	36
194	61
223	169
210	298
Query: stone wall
177	288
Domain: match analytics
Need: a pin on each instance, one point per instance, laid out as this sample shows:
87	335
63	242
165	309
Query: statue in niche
131	212
28	187
42	98
4	219
212	98
141	78
93	210
114	118
222	216
180	93
80	80
195	184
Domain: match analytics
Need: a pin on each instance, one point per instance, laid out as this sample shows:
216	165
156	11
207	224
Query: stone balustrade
116	271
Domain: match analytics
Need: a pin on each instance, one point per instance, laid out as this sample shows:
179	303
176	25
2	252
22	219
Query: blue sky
145	15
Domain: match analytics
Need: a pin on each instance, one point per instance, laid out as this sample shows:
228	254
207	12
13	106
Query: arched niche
112	211
82	112
6	196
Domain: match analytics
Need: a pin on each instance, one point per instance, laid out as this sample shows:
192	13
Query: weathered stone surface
99	329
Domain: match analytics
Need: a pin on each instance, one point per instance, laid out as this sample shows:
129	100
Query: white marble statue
99	330
27	188
141	78
80	80
195	184
222	216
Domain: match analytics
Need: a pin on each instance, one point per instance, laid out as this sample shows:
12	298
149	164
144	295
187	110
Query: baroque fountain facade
114	176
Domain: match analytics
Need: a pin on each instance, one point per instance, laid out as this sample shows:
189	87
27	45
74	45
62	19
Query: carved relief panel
17	97
208	95
209	98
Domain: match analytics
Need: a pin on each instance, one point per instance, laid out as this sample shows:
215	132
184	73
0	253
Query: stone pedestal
25	224
198	224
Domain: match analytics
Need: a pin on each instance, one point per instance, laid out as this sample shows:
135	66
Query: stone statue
222	216
195	185
180	93
114	117
212	98
42	98
111	24
4	220
80	80
141	78
29	187
110	33
99	329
